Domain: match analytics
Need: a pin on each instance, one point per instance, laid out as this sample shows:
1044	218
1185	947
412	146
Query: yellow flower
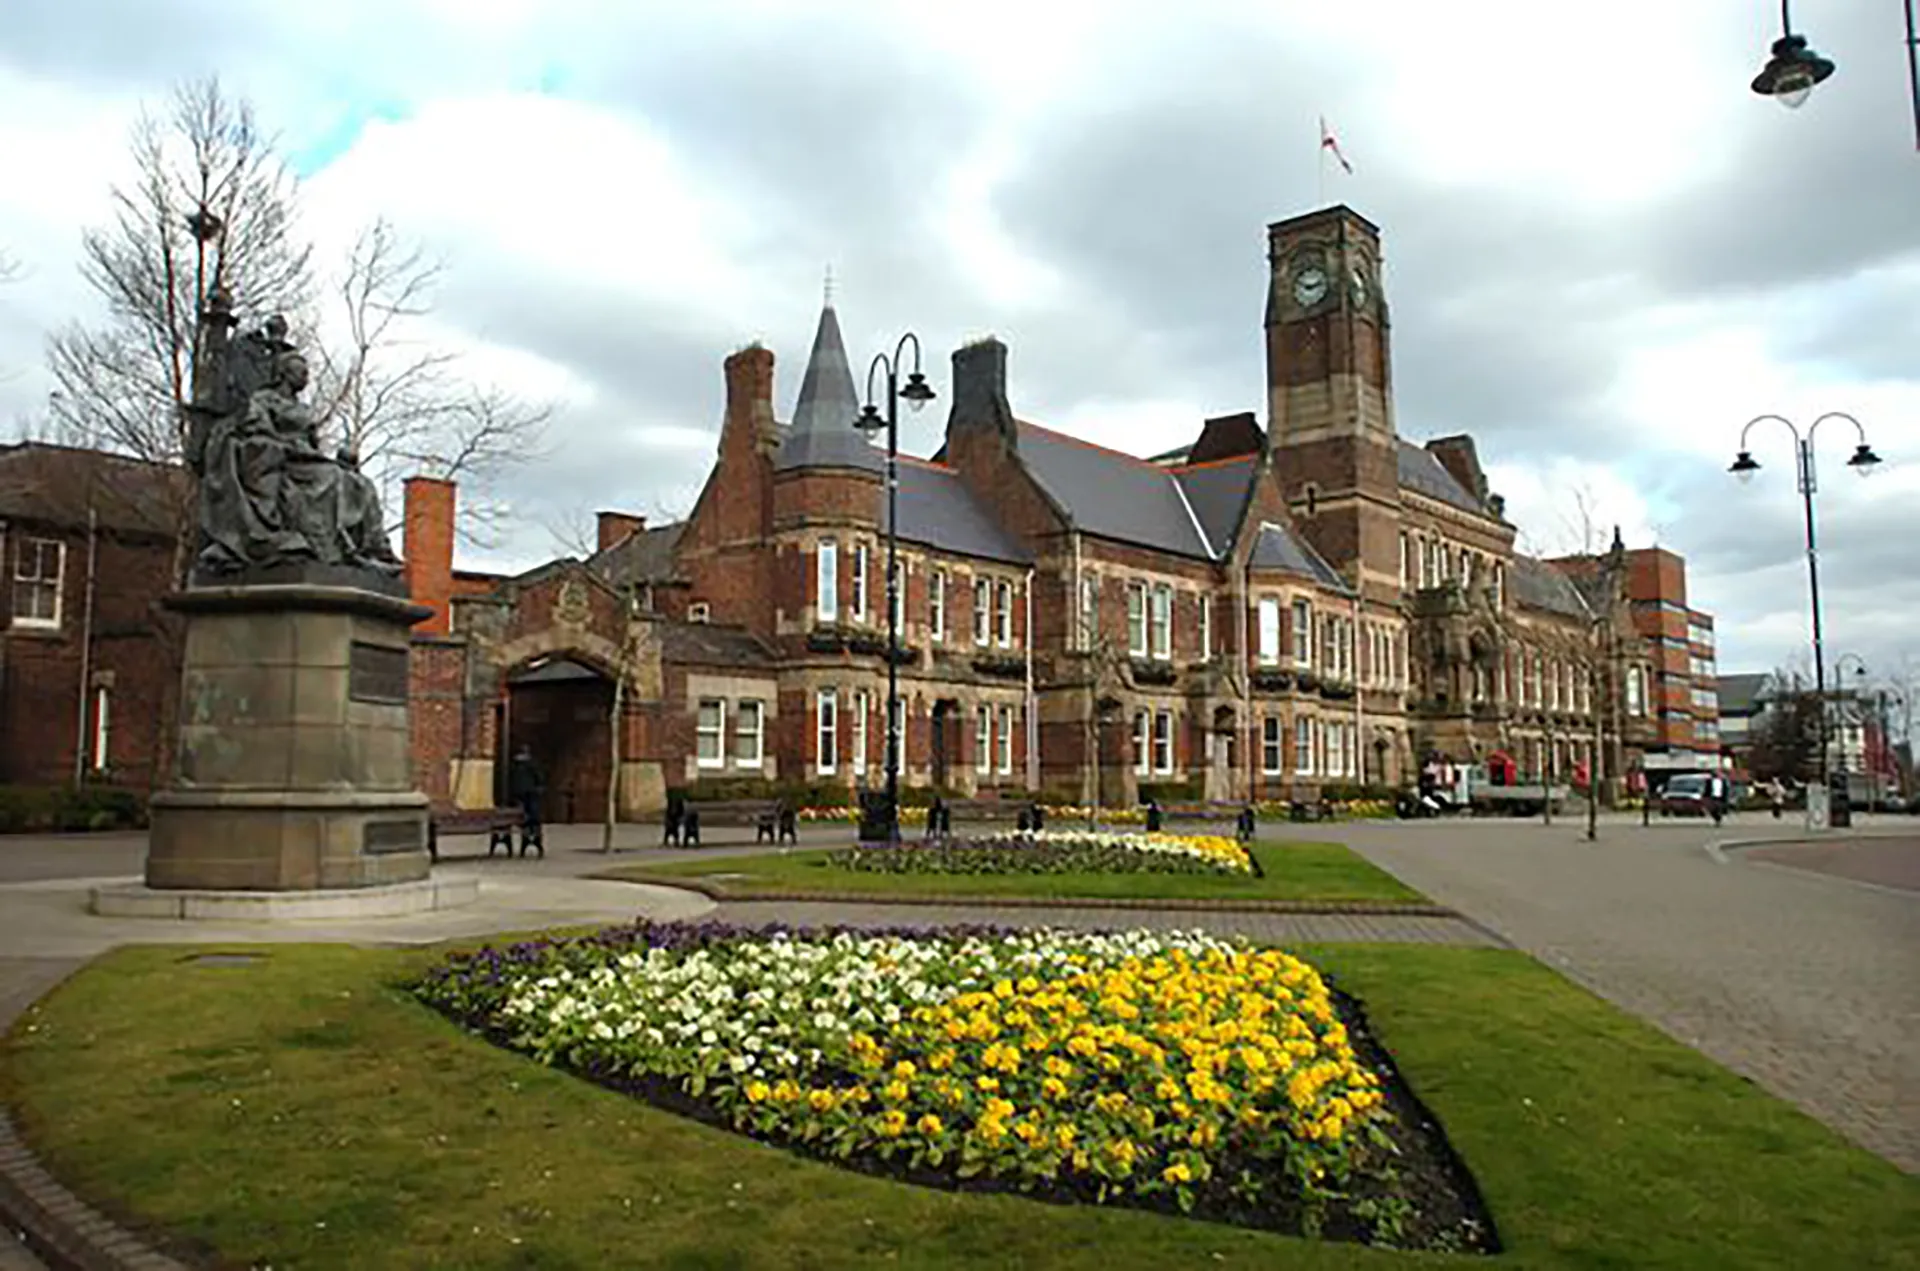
904	1069
987	1083
1177	1173
894	1092
785	1092
1058	1067
1053	1087
893	1123
820	1100
929	1125
940	1060
757	1091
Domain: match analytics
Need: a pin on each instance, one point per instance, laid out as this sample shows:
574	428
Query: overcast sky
1604	253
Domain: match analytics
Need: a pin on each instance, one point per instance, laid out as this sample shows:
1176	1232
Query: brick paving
1804	985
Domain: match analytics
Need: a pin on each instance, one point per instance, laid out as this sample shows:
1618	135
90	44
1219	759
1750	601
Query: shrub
68	809
1189	791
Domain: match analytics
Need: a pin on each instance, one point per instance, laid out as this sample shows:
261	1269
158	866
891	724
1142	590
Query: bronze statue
269	496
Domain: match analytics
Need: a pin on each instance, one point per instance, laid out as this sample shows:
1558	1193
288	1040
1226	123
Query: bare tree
400	404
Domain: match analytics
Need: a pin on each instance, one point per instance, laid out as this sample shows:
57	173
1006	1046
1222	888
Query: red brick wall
134	654
436	713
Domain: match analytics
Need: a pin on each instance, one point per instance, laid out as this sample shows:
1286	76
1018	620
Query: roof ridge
1205	464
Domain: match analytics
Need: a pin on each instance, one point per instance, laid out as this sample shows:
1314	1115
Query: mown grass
1294	872
305	1111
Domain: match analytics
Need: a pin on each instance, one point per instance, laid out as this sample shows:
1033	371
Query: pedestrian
1244	826
1716	798
527	787
1039	819
1776	796
1153	815
935	811
789	824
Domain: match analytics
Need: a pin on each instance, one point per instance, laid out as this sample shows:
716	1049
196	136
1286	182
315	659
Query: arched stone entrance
560	710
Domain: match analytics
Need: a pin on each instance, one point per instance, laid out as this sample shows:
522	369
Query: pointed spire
827	402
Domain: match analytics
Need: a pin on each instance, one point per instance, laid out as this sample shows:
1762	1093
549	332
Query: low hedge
65	809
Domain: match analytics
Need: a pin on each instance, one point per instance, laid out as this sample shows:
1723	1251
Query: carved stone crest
570	607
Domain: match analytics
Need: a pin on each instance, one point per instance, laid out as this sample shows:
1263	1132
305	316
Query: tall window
859	582
1005	739
749	733
1003	613
982	596
1269	631
37	566
1499	585
1206	628
857	727
1302	633
828	586
983	740
827	739
1404	577
1163	742
102	716
937	604
1161	618
895	606
710	728
1142	754
1089	609
1137	619
1636	691
1303	746
1553	685
1270	748
1539	678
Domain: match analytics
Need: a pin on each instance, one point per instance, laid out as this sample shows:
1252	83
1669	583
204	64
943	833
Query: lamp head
870	420
917	392
1744	466
1791	73
1864	461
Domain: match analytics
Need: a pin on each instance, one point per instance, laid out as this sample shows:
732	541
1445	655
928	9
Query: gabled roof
55	486
1218	492
711	644
1281	547
1742	694
1538	585
1423	473
644	556
1115	495
938	511
822	434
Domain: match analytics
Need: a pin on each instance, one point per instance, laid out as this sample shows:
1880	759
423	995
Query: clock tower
1330	395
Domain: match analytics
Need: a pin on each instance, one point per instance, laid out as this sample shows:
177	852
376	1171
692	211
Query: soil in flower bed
1423	1199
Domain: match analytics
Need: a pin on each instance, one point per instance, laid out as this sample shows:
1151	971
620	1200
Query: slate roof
645	556
1742	694
1538	585
54	485
1217	492
1115	495
937	510
709	644
1280	547
822	433
1423	473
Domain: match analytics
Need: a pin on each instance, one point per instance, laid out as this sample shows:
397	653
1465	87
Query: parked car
1688	794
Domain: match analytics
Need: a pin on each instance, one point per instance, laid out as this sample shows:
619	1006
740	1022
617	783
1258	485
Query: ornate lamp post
1863	462
1794	69
918	393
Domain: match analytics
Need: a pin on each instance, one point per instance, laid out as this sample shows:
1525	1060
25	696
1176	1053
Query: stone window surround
1272	745
716	732
37	581
757	709
826	731
1163	742
826	580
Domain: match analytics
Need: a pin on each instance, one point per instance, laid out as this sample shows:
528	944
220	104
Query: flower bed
1054	852
1169	1070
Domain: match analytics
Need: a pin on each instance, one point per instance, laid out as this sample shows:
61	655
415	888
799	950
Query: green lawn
1291	872
304	1111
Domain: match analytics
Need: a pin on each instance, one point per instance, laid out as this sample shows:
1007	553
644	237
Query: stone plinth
396	900
293	771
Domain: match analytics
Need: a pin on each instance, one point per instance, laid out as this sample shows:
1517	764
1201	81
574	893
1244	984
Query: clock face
1310	286
1360	289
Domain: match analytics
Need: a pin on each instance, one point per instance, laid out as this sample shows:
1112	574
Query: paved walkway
1807	984
1888	862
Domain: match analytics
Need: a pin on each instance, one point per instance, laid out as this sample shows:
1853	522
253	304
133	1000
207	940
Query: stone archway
560	711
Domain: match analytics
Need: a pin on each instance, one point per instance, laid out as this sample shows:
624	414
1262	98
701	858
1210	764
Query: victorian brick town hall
1281	603
1291	599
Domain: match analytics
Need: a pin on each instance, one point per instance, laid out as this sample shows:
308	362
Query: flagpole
1322	148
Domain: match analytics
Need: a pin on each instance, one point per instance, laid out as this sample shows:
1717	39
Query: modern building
1682	687
1297	598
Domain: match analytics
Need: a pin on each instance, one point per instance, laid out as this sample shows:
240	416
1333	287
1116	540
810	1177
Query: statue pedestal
294	767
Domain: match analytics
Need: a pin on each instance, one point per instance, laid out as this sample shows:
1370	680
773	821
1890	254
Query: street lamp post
918	393
1863	462
1794	69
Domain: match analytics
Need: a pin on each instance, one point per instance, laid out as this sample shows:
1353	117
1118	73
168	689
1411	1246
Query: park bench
762	814
498	824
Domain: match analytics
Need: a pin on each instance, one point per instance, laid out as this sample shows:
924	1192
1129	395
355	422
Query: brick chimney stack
616	528
427	548
980	391
750	398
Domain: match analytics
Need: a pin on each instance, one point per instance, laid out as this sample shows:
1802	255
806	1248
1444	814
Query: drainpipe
1033	709
1083	641
81	745
1250	736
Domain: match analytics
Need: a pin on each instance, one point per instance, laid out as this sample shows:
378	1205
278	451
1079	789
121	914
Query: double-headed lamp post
918	393
1863	462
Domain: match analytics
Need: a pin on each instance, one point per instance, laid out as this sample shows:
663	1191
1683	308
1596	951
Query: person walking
527	787
1776	796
